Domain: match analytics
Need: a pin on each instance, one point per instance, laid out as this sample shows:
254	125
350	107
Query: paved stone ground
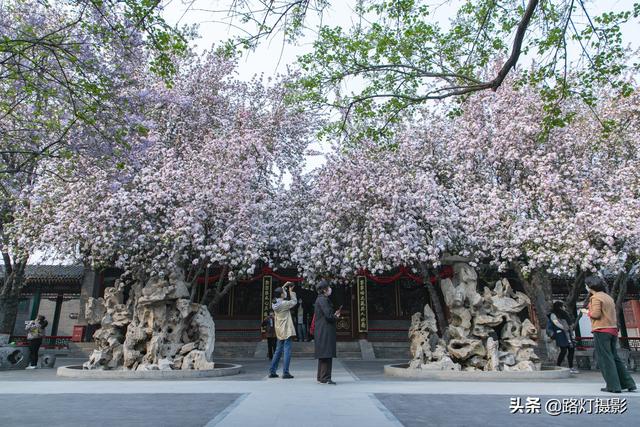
122	410
418	410
363	397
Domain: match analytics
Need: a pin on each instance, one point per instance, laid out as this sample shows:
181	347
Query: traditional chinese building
376	308
373	307
52	290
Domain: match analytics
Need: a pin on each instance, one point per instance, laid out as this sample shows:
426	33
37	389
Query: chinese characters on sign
266	296
361	289
571	405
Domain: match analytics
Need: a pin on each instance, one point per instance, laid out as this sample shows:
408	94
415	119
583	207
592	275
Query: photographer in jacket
285	329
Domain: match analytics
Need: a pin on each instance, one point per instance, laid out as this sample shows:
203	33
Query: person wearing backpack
560	328
324	330
35	332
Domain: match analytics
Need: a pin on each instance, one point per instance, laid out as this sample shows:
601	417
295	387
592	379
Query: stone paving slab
125	410
276	388
359	399
415	410
303	402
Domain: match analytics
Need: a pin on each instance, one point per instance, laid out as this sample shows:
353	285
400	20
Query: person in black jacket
560	324
325	332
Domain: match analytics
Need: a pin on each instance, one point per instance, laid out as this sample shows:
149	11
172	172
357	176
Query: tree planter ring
221	370
546	373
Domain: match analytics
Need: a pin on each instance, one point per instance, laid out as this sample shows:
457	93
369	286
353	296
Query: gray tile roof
51	273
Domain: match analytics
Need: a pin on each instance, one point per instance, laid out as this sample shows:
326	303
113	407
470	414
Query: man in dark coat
325	332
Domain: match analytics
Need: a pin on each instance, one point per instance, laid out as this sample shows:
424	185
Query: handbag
551	329
312	328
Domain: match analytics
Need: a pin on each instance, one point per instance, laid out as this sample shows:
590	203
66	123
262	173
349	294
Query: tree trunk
210	291
14	281
213	294
620	289
538	288
8	314
219	293
572	298
434	300
622	282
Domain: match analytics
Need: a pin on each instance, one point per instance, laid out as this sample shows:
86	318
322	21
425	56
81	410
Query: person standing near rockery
269	324
604	326
561	328
284	329
35	332
325	333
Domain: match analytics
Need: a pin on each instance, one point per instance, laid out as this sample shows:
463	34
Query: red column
635	307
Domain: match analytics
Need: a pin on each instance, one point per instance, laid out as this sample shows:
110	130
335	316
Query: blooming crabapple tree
72	74
286	226
559	201
197	193
493	183
63	65
247	108
376	209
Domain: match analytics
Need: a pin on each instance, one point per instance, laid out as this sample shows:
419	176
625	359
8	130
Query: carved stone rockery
484	333
157	328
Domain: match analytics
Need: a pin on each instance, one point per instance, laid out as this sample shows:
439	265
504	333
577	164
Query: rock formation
157	328
484	333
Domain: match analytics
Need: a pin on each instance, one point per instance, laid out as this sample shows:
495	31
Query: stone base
13	358
403	371
220	370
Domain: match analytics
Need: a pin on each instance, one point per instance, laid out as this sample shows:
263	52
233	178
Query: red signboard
78	333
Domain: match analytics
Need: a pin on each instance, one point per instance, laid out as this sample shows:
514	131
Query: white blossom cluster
491	183
559	200
375	209
201	193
